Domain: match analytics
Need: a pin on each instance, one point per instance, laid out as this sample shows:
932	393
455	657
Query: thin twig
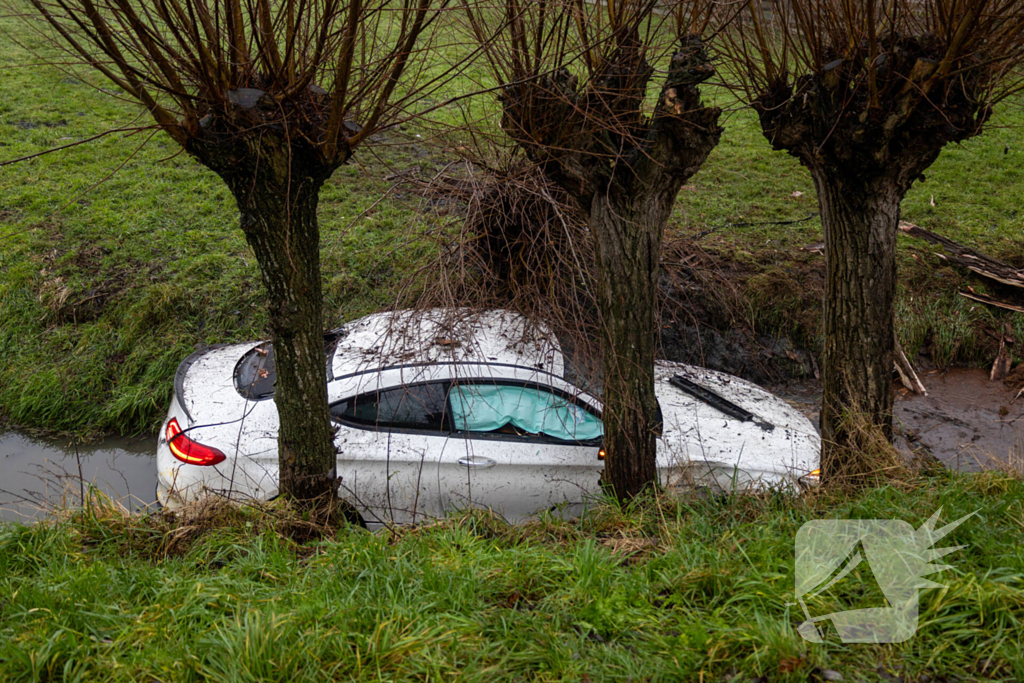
705	233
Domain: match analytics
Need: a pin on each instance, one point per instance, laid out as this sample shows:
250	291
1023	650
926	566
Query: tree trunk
860	221
627	240
277	189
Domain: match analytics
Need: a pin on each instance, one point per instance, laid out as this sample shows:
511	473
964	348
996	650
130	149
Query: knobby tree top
576	85
880	85
324	73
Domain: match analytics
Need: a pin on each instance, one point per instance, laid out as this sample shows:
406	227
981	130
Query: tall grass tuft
669	588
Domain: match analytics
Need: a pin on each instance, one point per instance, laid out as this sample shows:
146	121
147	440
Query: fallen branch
981	298
975	261
906	371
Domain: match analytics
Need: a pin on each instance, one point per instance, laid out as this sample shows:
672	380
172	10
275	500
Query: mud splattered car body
436	411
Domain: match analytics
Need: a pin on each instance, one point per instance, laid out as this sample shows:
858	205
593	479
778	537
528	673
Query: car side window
521	410
421	406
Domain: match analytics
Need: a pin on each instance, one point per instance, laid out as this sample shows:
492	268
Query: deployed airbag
489	407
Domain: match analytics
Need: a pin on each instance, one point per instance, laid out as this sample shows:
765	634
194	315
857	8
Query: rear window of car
256	371
421	406
526	410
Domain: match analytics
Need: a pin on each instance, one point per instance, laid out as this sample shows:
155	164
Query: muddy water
37	474
966	421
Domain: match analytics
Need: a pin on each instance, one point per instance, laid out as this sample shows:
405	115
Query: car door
389	443
520	448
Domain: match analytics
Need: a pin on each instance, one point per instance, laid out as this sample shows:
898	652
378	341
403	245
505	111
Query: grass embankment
108	281
693	591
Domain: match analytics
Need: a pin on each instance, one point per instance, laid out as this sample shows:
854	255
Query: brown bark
276	186
624	169
860	219
627	241
867	118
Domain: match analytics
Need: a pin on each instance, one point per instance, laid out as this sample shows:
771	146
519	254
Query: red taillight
189	451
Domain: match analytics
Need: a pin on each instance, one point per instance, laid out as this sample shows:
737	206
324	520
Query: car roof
445	335
464	373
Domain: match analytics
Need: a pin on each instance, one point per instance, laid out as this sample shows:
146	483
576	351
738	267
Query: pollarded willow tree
866	94
272	96
581	95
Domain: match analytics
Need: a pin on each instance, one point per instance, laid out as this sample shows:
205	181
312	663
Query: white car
438	410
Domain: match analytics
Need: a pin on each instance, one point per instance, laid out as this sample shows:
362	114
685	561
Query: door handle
478	463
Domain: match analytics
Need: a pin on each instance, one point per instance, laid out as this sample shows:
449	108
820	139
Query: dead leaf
790	664
797	193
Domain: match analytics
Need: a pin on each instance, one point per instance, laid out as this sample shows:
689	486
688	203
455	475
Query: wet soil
37	474
707	319
966	421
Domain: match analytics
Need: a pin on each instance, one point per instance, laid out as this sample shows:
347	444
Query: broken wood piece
1001	366
973	260
906	371
1015	380
1003	362
904	380
981	298
1008	334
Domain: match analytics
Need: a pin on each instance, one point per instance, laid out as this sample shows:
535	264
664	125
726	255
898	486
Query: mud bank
966	421
710	308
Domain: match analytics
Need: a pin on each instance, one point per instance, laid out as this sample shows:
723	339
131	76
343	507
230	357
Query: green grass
116	260
105	288
690	591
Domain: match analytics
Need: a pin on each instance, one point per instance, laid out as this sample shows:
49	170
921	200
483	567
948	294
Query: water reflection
39	473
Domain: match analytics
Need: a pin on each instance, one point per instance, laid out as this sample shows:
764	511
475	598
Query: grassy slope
103	290
976	188
95	597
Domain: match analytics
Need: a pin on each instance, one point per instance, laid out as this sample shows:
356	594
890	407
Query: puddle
966	421
37	473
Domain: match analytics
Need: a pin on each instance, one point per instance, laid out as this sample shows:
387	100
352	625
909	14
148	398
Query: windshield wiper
719	403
